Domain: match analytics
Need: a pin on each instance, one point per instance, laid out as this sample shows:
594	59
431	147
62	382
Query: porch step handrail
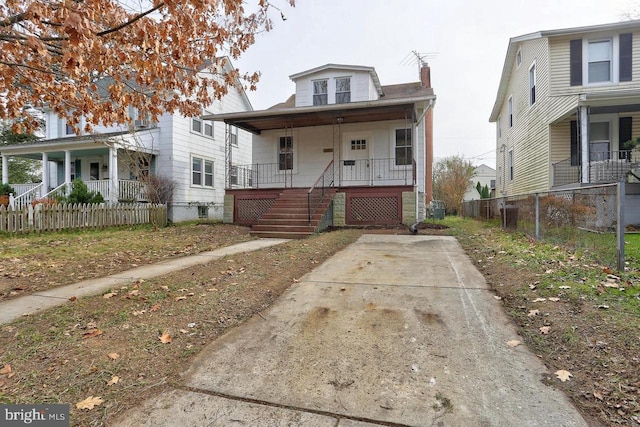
24	199
316	193
59	191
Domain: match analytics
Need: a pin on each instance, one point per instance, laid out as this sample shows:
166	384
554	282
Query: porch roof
81	145
353	112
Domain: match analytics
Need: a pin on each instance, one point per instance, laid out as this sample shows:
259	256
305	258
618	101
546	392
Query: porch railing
316	193
99	186
377	172
259	175
131	191
612	166
565	173
26	193
604	167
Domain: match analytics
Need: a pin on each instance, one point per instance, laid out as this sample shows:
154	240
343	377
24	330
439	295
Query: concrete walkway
17	307
393	330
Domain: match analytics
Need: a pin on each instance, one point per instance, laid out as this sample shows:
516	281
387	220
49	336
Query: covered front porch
596	142
109	164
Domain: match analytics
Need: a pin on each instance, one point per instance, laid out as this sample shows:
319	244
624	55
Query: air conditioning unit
143	123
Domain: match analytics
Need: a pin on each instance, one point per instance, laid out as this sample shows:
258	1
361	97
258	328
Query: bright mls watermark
34	415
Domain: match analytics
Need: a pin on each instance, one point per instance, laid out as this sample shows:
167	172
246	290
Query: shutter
575	147
575	62
626	57
624	133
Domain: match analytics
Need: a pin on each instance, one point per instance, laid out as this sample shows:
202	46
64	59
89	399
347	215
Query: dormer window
343	90
320	93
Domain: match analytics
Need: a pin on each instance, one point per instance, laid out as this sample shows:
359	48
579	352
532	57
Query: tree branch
131	21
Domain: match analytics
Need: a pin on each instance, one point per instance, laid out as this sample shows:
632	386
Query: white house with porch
191	152
343	150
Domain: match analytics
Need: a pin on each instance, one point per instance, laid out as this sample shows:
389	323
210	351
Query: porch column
45	175
5	169
67	166
113	174
584	143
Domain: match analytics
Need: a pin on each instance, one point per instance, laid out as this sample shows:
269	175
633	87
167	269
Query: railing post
621	225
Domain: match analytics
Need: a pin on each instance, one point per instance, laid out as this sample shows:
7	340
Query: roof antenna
419	58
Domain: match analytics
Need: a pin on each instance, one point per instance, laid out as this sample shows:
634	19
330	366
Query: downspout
428	148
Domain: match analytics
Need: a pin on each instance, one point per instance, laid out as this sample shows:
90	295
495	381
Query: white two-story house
192	153
343	150
568	102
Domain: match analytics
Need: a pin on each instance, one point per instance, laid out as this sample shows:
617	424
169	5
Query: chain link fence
586	220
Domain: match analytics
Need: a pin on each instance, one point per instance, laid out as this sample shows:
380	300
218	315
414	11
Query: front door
356	163
94	171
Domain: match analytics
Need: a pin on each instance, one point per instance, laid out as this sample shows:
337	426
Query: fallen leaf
165	338
563	375
139	312
564	287
180	298
533	313
73	299
598	395
532	287
91	334
514	343
607	270
497	297
184	331
554	299
134	293
166	288
544	330
610	285
212	289
89	403
109	295
539	300
5	370
155	307
113	356
114	380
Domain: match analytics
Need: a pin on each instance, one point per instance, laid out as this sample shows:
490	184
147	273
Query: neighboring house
483	174
342	137
191	152
567	101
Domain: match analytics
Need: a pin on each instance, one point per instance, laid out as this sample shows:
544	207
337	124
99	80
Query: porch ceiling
294	119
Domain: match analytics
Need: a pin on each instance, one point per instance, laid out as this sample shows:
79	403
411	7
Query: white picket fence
58	217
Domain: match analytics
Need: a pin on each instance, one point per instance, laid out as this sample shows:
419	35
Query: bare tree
451	178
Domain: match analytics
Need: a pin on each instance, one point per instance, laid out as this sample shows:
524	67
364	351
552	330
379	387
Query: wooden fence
58	217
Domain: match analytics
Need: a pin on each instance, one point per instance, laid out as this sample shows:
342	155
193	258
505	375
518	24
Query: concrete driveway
393	330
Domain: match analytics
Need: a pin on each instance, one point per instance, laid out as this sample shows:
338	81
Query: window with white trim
510	164
201	172
532	84
403	147
510	106
599	61
285	153
320	92
599	140
343	90
233	134
202	127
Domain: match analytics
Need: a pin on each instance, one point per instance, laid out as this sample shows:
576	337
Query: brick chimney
425	75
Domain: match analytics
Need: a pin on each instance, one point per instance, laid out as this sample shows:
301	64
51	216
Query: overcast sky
464	41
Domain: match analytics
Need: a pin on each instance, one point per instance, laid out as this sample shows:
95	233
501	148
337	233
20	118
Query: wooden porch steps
288	217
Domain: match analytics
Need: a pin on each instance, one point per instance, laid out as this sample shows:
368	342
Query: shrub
80	194
6	189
